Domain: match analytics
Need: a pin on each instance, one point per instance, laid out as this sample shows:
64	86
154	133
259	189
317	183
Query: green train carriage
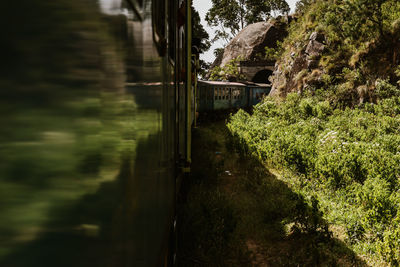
221	95
95	135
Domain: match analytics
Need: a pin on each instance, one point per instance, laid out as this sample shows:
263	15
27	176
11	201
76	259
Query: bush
352	154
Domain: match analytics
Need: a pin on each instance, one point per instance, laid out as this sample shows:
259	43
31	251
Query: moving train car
217	95
95	131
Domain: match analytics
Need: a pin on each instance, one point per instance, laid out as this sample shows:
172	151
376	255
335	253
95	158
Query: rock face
253	39
301	68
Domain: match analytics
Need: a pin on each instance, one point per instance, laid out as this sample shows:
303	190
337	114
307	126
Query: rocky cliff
292	73
348	59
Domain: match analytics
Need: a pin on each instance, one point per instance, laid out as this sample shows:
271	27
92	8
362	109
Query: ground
233	211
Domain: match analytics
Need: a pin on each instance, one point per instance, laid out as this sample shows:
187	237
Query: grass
235	212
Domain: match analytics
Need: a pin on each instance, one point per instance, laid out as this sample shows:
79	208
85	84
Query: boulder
252	40
314	49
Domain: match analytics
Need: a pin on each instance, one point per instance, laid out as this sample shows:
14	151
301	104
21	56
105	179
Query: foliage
349	159
218	52
204	68
302	6
361	38
231	16
229	72
199	31
273	53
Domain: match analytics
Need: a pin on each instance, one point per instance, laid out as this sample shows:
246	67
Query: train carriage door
184	77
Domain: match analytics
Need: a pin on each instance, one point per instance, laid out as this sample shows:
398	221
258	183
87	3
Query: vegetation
231	16
361	39
229	72
337	139
348	159
235	213
201	34
273	53
199	31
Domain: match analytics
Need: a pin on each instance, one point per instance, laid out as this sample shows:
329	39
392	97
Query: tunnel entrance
262	76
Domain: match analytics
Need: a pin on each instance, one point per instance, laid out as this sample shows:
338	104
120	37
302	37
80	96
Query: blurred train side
95	131
217	95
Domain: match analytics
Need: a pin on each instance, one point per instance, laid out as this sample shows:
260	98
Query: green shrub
350	158
228	72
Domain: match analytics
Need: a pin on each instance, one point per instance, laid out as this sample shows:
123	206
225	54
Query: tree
302	5
199	31
231	16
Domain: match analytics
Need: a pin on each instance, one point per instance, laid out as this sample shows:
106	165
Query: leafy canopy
199	31
231	16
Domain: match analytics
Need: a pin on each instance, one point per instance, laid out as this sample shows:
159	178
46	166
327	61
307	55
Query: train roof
263	84
235	83
222	83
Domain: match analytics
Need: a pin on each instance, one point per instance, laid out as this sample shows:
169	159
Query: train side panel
214	95
257	93
227	95
97	119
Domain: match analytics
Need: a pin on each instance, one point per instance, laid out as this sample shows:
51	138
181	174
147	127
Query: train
96	105
224	95
98	99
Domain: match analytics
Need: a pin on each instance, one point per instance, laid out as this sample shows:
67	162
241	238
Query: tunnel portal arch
262	76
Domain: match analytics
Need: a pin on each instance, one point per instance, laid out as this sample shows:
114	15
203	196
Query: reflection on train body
90	133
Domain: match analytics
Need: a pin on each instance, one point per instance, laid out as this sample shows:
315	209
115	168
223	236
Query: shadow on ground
234	212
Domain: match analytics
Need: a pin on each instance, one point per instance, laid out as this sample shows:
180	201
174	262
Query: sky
203	6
